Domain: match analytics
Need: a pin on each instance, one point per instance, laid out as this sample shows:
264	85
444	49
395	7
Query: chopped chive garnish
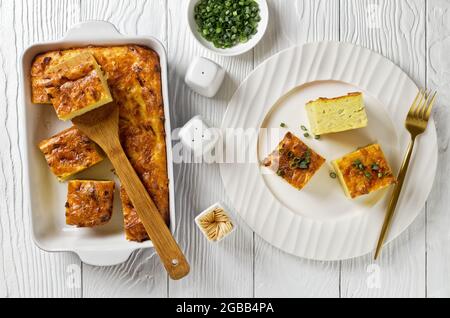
283	125
306	135
280	172
375	167
380	175
317	137
227	23
368	174
303	128
333	175
302	162
303	165
358	164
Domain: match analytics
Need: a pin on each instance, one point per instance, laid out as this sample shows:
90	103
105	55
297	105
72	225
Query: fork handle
394	198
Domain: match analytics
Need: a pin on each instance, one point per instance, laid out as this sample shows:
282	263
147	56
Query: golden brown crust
89	203
134	229
325	99
365	170
76	86
69	152
134	78
39	81
294	161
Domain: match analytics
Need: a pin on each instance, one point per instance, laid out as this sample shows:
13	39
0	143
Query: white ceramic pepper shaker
197	136
204	76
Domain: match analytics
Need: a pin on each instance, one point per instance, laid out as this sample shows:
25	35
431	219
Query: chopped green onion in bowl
227	23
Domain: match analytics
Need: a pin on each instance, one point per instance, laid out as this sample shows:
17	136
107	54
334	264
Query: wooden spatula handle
163	241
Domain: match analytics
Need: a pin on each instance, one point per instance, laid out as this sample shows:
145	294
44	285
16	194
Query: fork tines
423	104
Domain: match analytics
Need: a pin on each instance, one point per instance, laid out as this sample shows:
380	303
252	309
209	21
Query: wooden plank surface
438	216
396	29
217	270
26	271
142	275
278	274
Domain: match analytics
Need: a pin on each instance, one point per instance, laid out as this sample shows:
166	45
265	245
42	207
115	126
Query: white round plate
320	222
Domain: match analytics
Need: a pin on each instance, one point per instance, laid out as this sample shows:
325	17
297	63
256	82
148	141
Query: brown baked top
364	171
294	161
77	86
69	152
134	229
134	79
89	203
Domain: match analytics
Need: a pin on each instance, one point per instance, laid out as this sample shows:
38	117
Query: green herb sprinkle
227	23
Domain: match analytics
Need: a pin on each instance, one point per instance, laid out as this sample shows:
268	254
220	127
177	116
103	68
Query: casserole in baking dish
104	245
134	77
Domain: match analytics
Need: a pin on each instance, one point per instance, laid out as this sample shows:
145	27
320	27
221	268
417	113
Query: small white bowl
240	48
217	205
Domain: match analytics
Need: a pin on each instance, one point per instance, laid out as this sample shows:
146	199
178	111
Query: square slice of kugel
364	171
76	86
89	203
69	152
332	115
294	161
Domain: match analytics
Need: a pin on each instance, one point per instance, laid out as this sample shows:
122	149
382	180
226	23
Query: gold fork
416	123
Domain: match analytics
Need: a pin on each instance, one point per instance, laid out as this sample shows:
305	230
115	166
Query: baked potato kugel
77	86
364	171
134	79
69	152
89	202
294	161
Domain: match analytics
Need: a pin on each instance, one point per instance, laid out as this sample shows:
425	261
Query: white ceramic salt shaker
204	76
198	136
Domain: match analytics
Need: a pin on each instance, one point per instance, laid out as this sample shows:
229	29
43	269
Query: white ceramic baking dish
105	245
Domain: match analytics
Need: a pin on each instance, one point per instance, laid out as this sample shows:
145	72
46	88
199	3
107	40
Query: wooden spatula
102	126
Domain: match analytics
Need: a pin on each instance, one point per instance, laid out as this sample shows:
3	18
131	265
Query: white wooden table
415	34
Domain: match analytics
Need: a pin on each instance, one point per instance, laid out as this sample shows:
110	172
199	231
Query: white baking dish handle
103	258
92	30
